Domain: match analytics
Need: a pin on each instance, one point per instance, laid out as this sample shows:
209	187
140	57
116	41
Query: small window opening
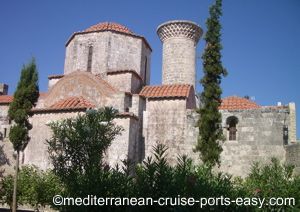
5	133
231	123
90	58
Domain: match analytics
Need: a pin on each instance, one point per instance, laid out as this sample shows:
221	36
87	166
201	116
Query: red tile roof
5	99
109	26
72	102
237	103
166	91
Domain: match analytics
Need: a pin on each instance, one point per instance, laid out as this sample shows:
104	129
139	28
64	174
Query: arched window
90	57
231	126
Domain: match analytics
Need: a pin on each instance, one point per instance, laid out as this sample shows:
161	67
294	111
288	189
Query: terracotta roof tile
237	103
107	26
166	91
5	99
72	102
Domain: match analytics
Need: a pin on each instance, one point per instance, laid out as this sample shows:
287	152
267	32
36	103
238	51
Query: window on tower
231	126
90	58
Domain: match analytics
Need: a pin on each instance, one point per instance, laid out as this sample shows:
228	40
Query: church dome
109	26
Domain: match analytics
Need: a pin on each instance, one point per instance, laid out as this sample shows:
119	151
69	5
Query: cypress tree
25	97
209	124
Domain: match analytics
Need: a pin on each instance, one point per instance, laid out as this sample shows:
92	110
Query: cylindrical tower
179	40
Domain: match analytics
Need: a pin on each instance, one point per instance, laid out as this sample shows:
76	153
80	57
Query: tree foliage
35	187
210	132
273	180
25	97
77	149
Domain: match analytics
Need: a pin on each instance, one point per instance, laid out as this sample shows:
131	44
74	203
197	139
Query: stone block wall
145	64
179	61
292	123
293	156
126	82
111	52
119	148
259	138
179	51
168	122
36	151
76	58
4	121
124	53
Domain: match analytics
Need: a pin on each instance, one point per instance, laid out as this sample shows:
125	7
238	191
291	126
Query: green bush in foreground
273	180
35	187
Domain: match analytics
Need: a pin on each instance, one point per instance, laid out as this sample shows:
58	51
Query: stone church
109	65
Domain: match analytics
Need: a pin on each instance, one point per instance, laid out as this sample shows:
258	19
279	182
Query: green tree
25	97
273	180
35	187
77	149
210	132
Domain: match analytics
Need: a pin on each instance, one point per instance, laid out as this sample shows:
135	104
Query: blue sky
261	39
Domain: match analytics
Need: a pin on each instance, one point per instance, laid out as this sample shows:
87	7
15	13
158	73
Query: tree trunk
14	207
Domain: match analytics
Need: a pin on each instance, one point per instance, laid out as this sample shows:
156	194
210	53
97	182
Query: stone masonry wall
179	61
111	52
145	64
168	122
4	121
124	53
293	156
259	138
6	148
292	123
77	52
259	135
36	150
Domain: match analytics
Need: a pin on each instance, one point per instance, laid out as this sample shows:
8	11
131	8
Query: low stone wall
293	156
